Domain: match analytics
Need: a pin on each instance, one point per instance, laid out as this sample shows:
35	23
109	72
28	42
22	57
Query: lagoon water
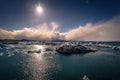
17	64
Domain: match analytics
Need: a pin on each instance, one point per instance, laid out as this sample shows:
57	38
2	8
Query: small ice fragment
85	78
1	54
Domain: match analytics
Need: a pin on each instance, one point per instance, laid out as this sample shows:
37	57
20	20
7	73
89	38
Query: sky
63	19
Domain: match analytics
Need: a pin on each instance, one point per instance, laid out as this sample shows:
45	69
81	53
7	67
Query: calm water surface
17	64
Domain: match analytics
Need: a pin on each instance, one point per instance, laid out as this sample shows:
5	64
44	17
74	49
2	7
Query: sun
39	9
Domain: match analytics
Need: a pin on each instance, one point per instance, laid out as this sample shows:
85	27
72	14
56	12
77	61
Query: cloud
4	34
42	32
106	31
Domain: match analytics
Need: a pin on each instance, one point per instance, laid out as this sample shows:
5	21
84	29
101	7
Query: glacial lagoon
20	62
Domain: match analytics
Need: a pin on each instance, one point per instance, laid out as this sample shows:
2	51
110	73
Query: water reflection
39	66
39	47
100	65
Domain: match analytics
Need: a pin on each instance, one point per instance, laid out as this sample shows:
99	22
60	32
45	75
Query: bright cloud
107	31
42	32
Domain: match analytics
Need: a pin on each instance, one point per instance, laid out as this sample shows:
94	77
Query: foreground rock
73	49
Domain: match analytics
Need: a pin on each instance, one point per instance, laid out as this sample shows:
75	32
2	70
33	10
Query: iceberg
71	49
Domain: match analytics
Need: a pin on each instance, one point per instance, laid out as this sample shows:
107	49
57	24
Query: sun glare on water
38	56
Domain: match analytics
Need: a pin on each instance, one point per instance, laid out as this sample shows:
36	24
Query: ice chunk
85	78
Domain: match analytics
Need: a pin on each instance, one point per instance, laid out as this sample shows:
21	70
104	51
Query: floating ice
70	49
85	78
115	48
1	54
34	51
103	45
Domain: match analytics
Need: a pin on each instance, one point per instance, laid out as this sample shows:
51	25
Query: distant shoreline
57	40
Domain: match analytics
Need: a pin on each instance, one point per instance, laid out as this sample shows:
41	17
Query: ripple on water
39	67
